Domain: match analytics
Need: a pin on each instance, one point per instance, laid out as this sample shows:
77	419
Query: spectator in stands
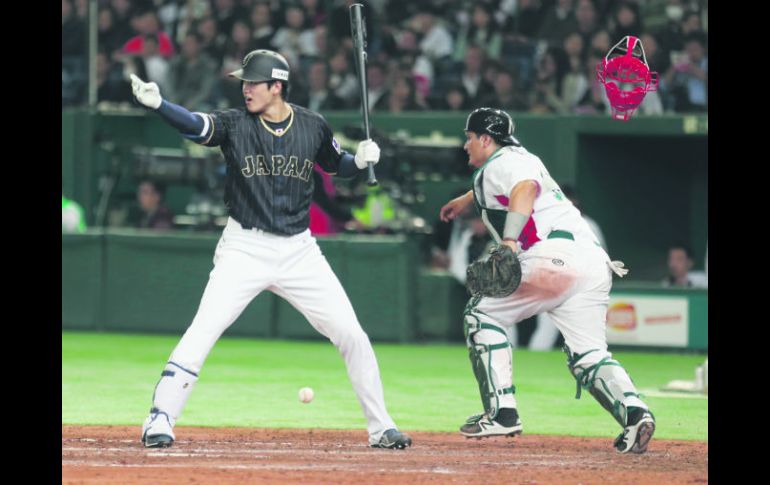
657	59
144	23
315	13
594	101
472	77
601	42
505	95
73	31
546	95
173	14
74	69
319	98
226	12
626	21
154	213
691	22
314	47
109	38
416	64
262	26
687	79
558	22
575	83
155	66
112	86
680	272
455	99
587	21
237	46
437	43
291	38
573	47
402	96
342	81
212	42
81	9
376	88
482	31
670	36
192	76
490	70
121	19
525	25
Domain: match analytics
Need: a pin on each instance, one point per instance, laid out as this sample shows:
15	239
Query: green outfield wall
140	281
644	181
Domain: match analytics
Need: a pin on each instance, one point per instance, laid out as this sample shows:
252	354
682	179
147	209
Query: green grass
109	379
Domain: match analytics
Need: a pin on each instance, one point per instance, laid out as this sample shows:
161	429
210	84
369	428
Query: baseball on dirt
306	394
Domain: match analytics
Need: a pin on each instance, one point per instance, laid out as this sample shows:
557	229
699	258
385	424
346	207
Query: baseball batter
270	147
565	272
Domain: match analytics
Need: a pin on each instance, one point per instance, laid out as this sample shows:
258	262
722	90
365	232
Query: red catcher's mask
626	77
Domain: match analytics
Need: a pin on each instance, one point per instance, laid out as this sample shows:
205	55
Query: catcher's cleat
157	431
393	439
506	423
637	433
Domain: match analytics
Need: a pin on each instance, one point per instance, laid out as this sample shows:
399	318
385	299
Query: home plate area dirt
114	455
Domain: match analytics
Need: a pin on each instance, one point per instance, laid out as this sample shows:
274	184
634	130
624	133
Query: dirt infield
113	454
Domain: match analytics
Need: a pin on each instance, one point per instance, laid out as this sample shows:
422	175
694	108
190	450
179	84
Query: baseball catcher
548	260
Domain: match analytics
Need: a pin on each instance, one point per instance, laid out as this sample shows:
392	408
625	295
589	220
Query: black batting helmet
263	65
494	122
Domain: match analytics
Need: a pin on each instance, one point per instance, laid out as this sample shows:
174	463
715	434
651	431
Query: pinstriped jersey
269	177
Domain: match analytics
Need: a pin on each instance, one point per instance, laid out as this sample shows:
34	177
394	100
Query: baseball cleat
506	423
636	435
157	431
158	441
393	439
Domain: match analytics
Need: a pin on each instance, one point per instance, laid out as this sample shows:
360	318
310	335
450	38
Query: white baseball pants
247	262
569	281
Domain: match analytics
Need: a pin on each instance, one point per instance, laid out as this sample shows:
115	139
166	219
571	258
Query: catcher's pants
571	282
248	261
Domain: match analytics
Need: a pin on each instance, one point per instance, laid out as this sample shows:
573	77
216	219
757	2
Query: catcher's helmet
263	65
494	122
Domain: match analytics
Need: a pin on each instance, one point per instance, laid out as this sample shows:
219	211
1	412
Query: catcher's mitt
497	277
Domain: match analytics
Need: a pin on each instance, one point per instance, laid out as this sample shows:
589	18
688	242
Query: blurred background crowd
536	56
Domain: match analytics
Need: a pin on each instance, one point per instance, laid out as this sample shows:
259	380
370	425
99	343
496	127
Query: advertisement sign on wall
647	320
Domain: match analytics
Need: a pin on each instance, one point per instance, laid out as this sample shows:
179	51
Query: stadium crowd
536	56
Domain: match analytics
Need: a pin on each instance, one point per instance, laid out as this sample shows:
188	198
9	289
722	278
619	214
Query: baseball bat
358	32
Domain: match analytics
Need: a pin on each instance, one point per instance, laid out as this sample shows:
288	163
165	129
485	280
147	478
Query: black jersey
269	182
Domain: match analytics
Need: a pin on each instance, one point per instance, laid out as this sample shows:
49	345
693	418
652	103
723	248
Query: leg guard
172	391
491	359
606	380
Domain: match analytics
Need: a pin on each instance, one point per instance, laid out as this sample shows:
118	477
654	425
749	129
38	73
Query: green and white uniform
565	272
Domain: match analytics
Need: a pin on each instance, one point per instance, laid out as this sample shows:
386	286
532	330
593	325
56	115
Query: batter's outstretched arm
191	125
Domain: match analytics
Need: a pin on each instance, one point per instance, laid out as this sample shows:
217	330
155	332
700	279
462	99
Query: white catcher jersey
492	186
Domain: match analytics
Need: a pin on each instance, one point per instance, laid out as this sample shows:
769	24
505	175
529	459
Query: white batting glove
147	94
367	151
